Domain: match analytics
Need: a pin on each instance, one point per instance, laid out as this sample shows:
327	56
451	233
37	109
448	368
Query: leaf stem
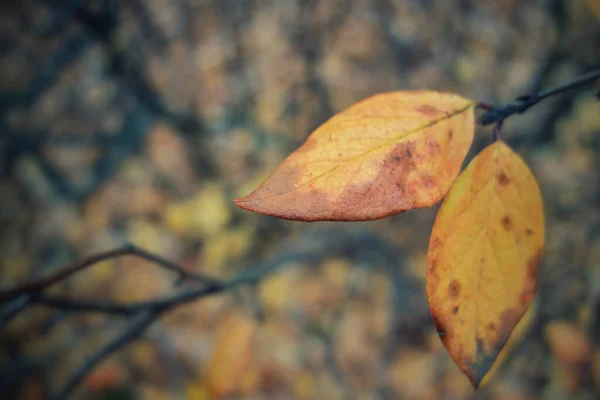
498	131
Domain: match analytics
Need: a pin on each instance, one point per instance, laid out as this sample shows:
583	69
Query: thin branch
14	307
145	313
250	275
130	249
82	305
143	321
495	115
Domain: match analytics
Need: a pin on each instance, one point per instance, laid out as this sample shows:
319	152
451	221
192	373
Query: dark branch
142	321
14	307
497	115
251	275
145	313
41	284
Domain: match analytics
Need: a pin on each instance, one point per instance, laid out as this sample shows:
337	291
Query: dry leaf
483	257
106	376
389	153
230	366
568	343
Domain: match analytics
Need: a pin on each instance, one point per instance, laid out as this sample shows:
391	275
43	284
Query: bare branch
130	249
144	313
14	307
142	321
497	115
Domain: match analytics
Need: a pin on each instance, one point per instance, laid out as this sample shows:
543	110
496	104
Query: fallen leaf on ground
230	369
483	257
384	155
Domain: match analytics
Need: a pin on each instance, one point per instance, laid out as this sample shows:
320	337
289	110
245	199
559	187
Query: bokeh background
140	120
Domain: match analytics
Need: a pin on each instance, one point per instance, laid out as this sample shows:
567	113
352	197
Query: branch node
498	131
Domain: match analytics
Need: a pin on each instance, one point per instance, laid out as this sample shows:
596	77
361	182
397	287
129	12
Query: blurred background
138	121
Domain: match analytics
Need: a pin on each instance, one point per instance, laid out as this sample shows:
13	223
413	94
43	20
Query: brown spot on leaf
506	223
450	134
491	326
433	264
532	269
525	298
428	109
455	310
434	147
454	289
428	181
528	232
435	243
503	179
532	265
357	198
508	320
432	273
439	327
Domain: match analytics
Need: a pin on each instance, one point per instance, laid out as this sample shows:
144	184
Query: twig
145	313
495	115
133	332
14	307
130	249
250	275
80	305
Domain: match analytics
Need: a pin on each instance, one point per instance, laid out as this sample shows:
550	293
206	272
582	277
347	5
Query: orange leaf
230	366
483	257
389	153
108	375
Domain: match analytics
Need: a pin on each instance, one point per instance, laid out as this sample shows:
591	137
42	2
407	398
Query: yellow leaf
483	257
275	291
195	391
204	215
594	5
389	153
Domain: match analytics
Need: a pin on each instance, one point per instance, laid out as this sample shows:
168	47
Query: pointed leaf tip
384	155
483	257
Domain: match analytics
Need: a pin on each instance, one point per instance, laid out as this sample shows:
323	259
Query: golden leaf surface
386	154
483	257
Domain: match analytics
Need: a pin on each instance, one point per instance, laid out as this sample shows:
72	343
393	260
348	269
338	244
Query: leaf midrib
351	160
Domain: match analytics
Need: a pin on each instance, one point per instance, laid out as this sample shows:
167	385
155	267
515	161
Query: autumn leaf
230	366
384	155
483	257
107	376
